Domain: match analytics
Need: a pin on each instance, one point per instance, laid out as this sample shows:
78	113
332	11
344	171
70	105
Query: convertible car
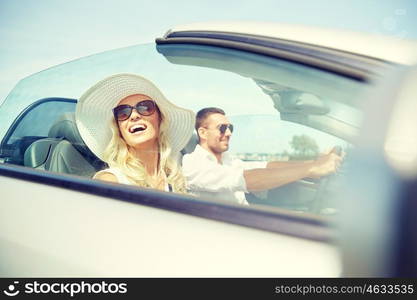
292	92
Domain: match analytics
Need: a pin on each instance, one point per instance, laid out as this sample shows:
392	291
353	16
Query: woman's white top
122	178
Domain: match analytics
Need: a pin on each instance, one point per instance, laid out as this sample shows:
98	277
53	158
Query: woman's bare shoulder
106	176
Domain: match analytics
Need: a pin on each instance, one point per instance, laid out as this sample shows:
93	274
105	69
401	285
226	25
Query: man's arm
287	172
284	164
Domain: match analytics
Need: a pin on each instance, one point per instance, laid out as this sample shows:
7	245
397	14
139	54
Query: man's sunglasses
124	111
223	128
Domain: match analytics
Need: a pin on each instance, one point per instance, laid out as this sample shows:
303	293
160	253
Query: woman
128	123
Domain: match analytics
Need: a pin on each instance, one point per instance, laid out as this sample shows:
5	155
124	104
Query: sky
37	34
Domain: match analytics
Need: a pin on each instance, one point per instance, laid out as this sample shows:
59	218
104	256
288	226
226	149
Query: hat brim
94	112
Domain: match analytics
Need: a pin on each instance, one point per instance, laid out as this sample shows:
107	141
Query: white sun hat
94	112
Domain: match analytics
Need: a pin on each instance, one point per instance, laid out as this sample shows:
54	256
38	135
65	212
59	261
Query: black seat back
192	143
63	151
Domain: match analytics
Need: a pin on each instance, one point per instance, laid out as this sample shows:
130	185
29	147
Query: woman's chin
143	142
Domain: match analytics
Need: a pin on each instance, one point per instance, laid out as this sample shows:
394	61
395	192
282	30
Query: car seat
192	143
63	151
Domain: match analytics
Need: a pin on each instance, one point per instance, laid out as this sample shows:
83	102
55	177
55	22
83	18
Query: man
211	172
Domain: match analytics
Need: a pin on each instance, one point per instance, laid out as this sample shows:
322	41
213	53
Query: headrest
192	143
66	128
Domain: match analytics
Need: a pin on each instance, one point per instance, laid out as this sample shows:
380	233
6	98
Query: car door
57	224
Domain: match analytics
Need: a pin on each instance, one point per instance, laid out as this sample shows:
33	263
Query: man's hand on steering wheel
327	164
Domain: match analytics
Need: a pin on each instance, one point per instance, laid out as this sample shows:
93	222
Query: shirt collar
201	151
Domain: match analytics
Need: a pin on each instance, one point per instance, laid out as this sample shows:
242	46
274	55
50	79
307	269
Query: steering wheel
323	184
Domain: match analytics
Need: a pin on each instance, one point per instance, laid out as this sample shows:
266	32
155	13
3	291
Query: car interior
62	150
297	95
57	147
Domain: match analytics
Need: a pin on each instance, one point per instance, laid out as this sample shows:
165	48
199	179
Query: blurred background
37	34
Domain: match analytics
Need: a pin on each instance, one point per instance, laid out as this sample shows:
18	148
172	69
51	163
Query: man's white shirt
206	177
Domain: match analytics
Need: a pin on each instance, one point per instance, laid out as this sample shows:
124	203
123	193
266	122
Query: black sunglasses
124	111
223	128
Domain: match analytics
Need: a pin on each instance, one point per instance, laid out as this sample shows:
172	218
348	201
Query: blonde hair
117	155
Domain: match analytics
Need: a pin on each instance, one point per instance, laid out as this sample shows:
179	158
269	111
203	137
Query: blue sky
37	34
